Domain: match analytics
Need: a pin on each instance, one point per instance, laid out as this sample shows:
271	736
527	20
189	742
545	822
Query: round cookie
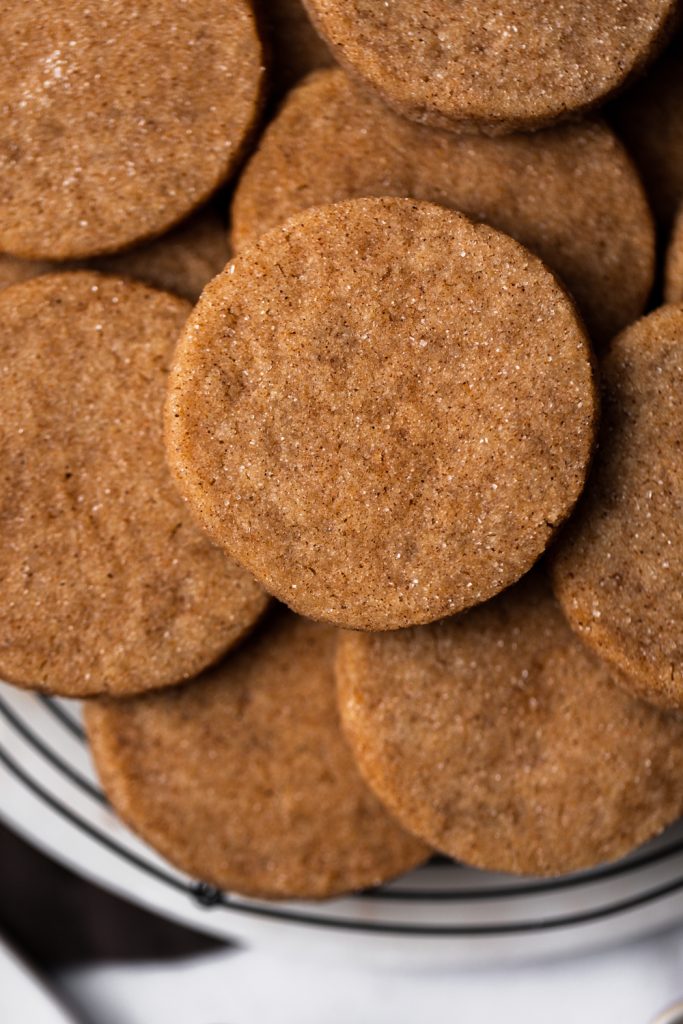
266	799
383	411
120	120
332	141
618	571
295	46
106	585
497	65
501	740
181	261
673	283
649	117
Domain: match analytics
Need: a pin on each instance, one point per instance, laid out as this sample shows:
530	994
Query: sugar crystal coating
383	411
332	141
243	778
503	742
497	65
106	584
618	571
118	119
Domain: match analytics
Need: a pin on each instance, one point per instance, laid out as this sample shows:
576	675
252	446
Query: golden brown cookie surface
383	411
649	118
265	797
497	66
332	141
106	585
118	119
618	571
673	286
181	261
501	740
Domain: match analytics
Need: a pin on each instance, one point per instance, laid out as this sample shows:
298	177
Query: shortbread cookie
106	585
383	411
332	141
649	117
501	740
243	778
673	286
496	65
295	48
618	572
118	118
181	261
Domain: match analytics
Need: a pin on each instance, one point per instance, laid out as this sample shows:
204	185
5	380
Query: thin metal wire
60	714
55	760
209	897
541	886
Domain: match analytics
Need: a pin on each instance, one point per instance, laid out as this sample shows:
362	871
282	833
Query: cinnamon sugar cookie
332	141
383	411
106	585
498	738
497	65
618	571
118	118
243	778
181	261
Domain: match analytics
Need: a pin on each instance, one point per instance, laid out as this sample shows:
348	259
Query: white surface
23	997
628	985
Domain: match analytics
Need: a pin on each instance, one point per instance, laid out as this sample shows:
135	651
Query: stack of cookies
365	541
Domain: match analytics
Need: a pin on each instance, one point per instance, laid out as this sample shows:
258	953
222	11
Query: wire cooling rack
440	913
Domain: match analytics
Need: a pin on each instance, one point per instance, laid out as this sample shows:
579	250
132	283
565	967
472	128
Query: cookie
295	48
498	65
383	411
649	118
618	570
119	120
332	141
181	261
243	778
502	741
673	283
106	585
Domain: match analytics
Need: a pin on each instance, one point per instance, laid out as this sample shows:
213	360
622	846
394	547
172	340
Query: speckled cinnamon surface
570	194
496	65
181	261
106	585
649	118
673	285
118	119
243	778
501	740
619	570
383	411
